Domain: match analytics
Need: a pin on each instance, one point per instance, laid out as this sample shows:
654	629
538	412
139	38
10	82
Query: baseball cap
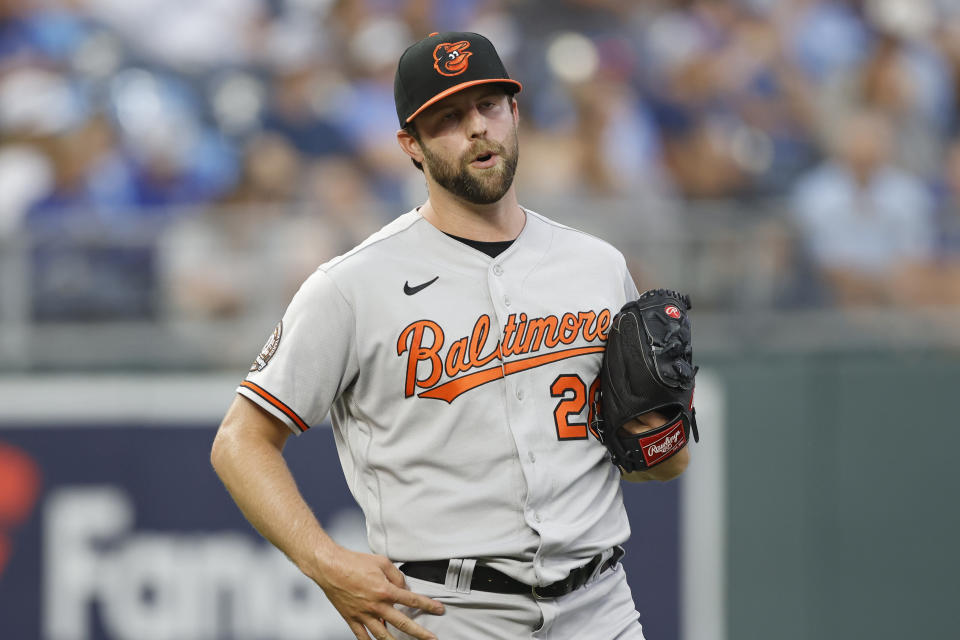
442	64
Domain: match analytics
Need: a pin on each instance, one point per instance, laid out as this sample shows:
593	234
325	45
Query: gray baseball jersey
459	389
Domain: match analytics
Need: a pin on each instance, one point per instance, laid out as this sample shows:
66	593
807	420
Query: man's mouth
484	160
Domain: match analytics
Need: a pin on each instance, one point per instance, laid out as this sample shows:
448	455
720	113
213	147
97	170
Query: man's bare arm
247	455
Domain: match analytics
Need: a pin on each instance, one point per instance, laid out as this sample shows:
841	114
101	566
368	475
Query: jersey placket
504	277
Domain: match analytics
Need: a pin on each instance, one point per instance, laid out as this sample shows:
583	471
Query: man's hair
411	128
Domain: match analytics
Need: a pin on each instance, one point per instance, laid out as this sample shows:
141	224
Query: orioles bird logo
451	58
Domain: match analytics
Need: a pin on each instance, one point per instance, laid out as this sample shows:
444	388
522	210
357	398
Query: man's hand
667	470
364	588
646	422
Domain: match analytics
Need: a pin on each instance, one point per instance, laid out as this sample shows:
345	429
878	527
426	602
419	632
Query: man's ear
409	145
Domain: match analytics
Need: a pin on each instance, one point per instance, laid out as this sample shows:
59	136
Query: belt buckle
566	585
539	596
579	576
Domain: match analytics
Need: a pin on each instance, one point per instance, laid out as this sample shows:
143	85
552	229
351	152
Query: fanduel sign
144	585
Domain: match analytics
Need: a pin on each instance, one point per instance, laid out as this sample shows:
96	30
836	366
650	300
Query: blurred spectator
937	282
296	112
910	82
365	109
81	157
224	261
822	37
734	111
32	32
685	45
864	221
948	220
117	117
619	150
774	104
25	176
554	159
947	37
84	267
284	219
271	172
115	178
338	197
174	156
188	35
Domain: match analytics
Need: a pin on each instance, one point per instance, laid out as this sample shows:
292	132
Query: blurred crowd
155	154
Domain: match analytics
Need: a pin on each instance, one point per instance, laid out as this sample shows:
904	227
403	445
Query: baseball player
458	353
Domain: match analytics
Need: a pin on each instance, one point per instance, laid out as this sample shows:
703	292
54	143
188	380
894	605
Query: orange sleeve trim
287	411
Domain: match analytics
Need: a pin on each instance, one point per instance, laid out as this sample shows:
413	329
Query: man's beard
487	187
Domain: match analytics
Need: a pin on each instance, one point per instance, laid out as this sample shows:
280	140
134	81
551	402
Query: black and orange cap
442	64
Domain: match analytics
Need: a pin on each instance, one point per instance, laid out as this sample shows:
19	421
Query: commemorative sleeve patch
268	350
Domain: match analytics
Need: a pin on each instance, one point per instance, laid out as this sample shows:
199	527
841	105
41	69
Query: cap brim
460	87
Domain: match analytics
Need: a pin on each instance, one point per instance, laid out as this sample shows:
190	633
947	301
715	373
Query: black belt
487	579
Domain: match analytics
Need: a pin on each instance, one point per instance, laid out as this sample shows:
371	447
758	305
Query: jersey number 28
574	397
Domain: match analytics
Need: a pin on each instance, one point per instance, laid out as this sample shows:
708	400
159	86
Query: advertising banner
122	531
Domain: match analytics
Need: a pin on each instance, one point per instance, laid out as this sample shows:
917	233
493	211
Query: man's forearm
364	588
255	473
666	470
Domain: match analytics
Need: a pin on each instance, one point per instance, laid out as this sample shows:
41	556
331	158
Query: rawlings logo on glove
648	366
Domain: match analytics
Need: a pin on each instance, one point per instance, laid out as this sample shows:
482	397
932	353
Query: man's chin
477	185
475	195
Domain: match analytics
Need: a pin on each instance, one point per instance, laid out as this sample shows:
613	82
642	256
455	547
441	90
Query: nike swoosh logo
407	289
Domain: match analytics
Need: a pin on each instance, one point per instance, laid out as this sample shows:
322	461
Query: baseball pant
602	609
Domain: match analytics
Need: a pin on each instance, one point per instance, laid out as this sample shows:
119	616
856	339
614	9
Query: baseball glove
647	366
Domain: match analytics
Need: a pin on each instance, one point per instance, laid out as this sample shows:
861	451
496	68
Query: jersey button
519	394
536	516
532	457
506	300
497	270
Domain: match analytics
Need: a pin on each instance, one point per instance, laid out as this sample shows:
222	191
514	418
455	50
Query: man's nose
476	123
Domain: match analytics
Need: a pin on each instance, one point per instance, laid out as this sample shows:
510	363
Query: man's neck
501	220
